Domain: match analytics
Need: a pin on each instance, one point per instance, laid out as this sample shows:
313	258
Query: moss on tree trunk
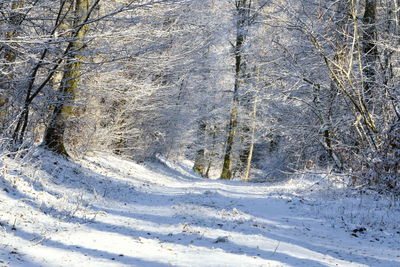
54	138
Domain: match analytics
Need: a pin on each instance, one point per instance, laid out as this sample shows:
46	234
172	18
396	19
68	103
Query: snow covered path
105	211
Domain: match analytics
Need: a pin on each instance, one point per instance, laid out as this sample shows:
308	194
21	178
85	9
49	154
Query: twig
279	242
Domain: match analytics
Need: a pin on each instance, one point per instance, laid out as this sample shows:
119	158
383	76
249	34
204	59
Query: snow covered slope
106	211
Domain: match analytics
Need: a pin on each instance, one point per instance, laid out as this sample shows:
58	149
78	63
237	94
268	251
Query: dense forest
233	85
199	133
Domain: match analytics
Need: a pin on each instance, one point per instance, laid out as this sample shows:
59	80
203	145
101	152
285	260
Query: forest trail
106	211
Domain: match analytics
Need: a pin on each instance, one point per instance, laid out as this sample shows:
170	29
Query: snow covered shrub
385	168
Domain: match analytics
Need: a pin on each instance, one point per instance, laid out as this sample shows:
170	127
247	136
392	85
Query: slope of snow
106	211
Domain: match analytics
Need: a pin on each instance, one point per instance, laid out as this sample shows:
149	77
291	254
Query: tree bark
54	137
242	7
370	49
200	160
246	177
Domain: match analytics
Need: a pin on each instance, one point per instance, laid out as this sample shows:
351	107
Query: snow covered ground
106	211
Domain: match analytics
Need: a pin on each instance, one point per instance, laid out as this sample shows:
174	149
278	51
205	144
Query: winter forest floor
106	211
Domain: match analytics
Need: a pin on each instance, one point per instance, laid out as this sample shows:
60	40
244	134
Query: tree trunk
213	134
242	7
246	177
227	166
55	132
370	50
200	161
